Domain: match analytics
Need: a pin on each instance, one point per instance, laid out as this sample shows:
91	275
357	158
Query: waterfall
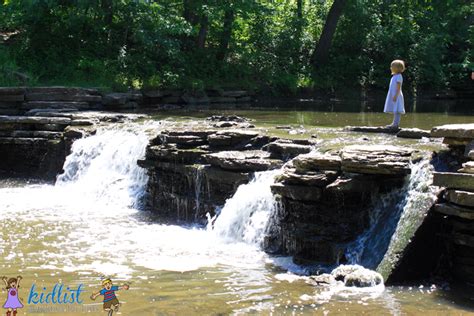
394	220
103	169
244	217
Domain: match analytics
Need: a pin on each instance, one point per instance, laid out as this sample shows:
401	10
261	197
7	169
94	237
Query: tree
321	53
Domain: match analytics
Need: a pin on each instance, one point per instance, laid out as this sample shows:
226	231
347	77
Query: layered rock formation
457	204
37	145
326	199
193	171
19	100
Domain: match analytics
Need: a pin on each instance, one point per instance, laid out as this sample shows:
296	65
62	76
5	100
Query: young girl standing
394	102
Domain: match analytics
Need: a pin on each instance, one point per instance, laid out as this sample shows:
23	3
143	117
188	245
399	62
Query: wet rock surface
457	204
37	145
326	199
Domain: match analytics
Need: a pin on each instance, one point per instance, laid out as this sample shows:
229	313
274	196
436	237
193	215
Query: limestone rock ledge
192	171
457	205
36	145
327	199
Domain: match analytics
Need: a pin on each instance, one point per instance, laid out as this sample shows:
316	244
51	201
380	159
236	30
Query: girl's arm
397	92
4	278
18	281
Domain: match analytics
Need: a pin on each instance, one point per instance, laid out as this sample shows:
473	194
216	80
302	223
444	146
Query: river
89	225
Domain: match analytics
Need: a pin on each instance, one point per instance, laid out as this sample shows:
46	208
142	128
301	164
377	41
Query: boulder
460	197
251	160
357	276
454	131
470	154
376	159
451	180
315	161
415	133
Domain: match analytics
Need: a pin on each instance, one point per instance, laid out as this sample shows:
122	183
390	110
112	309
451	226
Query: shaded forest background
279	47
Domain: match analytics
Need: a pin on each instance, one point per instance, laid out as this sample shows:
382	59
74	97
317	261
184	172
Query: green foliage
118	44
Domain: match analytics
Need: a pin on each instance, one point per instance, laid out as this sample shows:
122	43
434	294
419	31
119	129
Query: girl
13	301
394	102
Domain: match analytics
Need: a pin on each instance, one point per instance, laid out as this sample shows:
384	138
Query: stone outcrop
36	146
192	171
457	205
19	100
326	199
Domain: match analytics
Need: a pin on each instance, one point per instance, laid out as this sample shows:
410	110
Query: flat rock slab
251	160
460	197
452	180
34	120
414	133
454	131
453	210
310	178
283	149
315	161
372	129
467	167
55	105
376	159
12	90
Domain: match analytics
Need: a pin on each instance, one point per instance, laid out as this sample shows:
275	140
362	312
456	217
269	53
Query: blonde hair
104	282
398	65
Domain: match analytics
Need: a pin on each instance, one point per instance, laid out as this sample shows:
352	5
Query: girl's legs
396	119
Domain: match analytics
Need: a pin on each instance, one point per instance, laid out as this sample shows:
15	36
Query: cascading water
394	221
103	168
244	216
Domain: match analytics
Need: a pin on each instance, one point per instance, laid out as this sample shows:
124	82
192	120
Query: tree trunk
299	9
226	34
201	40
321	53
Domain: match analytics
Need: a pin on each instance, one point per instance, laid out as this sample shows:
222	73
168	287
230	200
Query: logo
60	298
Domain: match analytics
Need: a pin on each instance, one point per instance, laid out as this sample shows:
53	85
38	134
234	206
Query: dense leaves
265	45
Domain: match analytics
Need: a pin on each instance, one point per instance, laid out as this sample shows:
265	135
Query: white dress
399	105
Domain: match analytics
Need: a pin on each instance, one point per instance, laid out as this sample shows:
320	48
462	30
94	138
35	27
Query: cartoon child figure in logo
13	302
111	303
